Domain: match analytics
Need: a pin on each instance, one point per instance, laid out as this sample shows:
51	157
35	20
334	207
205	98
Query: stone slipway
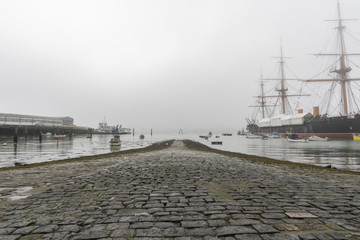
179	191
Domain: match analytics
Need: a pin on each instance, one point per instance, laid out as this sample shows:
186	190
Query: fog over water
163	65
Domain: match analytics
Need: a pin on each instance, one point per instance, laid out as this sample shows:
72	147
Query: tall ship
320	121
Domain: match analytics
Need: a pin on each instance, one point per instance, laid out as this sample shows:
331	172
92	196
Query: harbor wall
31	130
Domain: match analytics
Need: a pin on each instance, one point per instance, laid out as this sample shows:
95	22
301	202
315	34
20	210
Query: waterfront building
32	120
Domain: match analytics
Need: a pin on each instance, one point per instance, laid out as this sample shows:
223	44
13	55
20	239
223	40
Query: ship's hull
341	127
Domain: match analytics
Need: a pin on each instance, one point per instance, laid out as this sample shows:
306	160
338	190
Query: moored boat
59	137
316	138
296	138
356	136
216	142
301	140
253	136
227	134
264	137
115	141
274	135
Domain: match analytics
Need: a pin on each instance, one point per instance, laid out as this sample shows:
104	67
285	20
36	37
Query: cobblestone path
179	193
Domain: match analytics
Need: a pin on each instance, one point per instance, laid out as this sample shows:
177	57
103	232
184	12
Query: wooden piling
16	134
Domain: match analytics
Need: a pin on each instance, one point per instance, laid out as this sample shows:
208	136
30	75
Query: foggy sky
146	64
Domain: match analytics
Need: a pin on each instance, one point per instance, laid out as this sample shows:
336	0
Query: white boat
124	130
48	134
253	136
115	141
316	138
59	137
302	140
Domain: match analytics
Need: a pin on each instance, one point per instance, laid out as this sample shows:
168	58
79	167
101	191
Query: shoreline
152	147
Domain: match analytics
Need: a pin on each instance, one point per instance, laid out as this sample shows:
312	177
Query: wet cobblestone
178	193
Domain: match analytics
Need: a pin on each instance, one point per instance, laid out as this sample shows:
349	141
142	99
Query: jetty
178	190
32	125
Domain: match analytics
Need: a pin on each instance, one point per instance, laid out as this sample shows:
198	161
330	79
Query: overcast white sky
147	64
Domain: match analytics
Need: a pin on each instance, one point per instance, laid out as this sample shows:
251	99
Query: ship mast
282	91
262	100
342	73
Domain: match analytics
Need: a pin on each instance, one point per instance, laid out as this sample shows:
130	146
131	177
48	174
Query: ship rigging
340	73
308	124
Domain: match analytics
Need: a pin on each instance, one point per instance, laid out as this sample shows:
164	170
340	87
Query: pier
19	125
178	190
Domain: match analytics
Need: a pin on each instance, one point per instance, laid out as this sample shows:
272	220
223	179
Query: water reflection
31	150
343	154
340	154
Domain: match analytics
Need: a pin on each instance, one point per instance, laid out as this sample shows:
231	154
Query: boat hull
356	136
341	127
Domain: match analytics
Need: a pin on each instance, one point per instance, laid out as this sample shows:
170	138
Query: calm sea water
342	154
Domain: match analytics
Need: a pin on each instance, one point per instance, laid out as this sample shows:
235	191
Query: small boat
227	134
253	136
204	137
302	140
48	134
264	137
59	137
316	138
274	135
241	133
216	142
115	141
356	136
296	138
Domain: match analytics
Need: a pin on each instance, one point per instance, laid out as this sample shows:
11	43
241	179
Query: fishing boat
316	138
216	142
321	121
59	137
356	136
115	141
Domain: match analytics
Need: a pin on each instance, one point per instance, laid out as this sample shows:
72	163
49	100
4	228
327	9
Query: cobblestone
179	193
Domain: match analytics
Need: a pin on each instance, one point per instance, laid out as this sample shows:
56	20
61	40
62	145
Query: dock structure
180	191
32	125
